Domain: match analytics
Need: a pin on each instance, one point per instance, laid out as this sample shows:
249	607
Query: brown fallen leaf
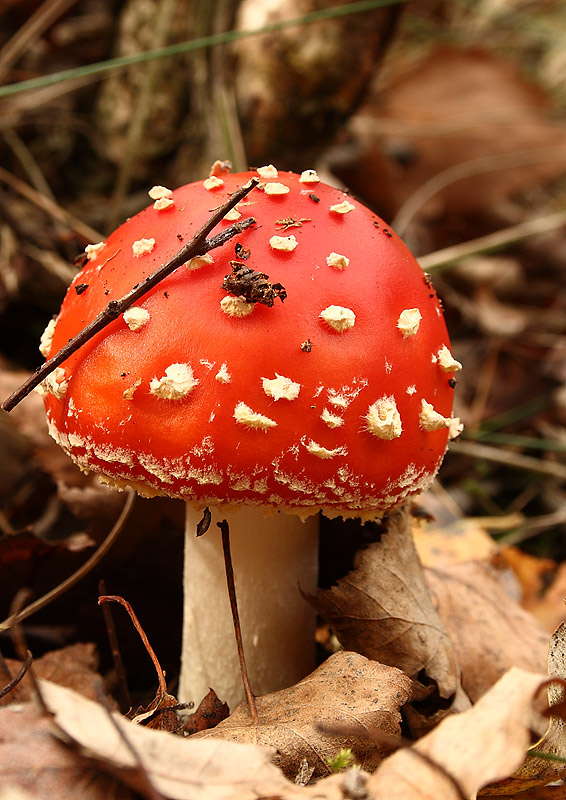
32	759
74	666
346	689
550	609
489	630
466	751
179	768
383	609
480	137
210	712
538	771
461	540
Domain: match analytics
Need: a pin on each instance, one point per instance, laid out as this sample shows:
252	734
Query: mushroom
304	368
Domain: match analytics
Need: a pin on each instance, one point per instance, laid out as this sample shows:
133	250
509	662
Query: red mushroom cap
336	397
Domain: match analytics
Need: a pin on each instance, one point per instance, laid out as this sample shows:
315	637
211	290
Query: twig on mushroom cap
199	245
225	530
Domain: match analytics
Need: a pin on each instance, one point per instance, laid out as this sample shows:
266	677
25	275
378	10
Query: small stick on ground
199	245
223	525
21	672
22	652
112	598
123	691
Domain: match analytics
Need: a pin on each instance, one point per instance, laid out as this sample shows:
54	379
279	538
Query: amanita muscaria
333	393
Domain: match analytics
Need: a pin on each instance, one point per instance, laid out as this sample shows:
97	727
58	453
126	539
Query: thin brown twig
61	588
48	205
112	598
22	652
123	691
250	697
21	672
199	245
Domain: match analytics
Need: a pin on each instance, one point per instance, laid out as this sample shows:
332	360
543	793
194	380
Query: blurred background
446	117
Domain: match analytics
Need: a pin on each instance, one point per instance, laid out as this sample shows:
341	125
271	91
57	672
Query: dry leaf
425	124
181	769
462	540
383	609
536	772
32	759
489	630
466	751
550	609
346	690
532	573
73	666
210	712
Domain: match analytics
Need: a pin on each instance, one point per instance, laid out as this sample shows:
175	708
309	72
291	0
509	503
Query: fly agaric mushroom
304	368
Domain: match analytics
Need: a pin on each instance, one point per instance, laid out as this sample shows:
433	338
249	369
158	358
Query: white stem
273	556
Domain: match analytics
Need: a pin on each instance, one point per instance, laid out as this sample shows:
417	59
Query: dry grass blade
468	169
46	204
493	241
19	616
32	29
515	460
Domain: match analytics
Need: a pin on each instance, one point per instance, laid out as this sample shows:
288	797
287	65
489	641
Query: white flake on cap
128	393
55	383
411	389
409	321
337	399
337	261
309	176
285	243
136	317
198	261
274	189
232	215
338	317
143	246
383	419
330	419
319	451
177	382
431	420
251	419
162	197
236	306
159	192
342	208
213	182
163	203
446	361
456	428
47	338
93	250
267	172
281	387
223	376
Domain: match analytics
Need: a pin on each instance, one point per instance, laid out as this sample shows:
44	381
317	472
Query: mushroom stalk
275	558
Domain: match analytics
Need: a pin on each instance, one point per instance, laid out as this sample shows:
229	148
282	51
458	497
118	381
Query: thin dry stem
223	525
96	557
493	241
46	204
199	245
112	598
